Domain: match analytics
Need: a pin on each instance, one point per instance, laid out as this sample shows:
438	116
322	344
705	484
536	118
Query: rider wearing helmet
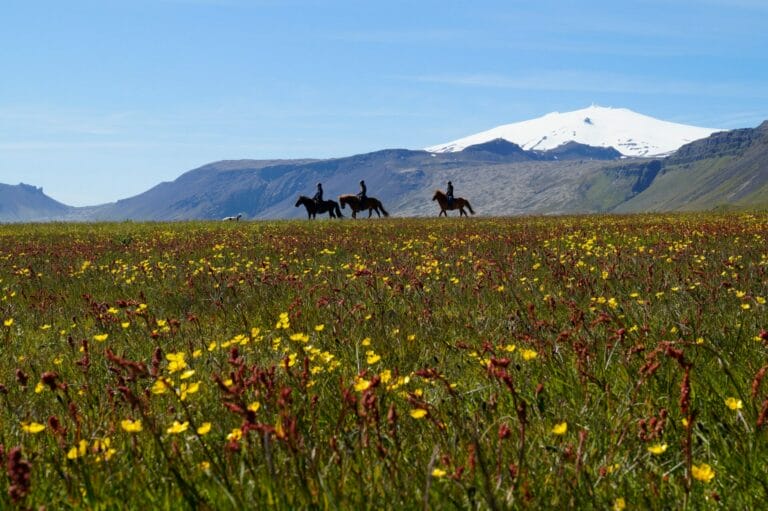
319	194
449	193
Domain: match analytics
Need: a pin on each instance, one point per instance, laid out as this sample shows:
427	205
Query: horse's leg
370	212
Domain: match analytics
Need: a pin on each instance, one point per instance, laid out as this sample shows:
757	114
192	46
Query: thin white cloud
583	81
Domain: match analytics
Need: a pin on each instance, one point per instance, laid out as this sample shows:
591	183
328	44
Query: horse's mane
439	192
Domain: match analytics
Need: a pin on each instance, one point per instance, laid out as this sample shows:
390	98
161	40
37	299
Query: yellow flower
131	426
100	337
657	449
8	322
619	504
362	385
560	429
32	427
204	428
187	374
254	407
438	472
528	354
161	386
125	324
284	322
372	357
188	389
366	341
176	361
77	451
177	427
235	435
703	472
319	328
733	403
418	413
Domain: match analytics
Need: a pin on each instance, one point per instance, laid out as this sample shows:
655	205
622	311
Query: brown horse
370	203
313	208
458	203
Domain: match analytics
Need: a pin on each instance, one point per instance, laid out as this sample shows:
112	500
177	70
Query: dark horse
457	203
313	208
356	205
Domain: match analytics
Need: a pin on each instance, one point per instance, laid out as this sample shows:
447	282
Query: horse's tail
381	206
469	207
338	211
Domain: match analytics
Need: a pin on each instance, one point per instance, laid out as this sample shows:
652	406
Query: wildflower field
593	362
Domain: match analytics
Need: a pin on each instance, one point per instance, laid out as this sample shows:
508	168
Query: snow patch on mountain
630	133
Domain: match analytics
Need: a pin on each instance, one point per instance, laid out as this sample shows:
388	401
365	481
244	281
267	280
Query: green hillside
725	171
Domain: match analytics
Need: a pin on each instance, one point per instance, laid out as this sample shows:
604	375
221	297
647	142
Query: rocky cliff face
724	143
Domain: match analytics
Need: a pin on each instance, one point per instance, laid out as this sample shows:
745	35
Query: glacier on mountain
630	133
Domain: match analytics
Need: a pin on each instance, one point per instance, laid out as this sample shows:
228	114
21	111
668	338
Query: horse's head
438	194
299	201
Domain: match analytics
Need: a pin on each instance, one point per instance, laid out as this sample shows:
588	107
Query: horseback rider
318	197
449	193
362	195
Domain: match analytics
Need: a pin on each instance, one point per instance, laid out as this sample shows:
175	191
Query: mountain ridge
725	170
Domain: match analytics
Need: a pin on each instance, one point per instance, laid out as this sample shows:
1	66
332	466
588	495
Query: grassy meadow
597	362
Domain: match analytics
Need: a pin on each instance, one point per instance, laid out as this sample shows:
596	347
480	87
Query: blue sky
102	99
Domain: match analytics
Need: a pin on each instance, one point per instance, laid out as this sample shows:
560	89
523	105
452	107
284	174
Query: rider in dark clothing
449	193
363	191
319	194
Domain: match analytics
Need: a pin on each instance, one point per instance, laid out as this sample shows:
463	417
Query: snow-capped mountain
630	133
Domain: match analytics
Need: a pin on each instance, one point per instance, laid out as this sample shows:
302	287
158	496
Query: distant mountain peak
630	133
497	146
